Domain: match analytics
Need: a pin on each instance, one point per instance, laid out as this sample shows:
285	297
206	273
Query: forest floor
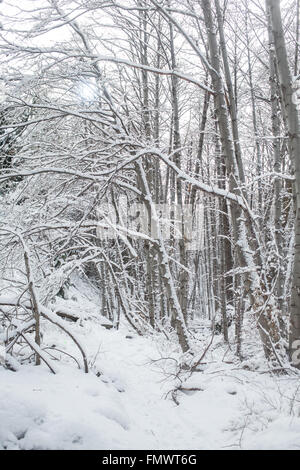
126	401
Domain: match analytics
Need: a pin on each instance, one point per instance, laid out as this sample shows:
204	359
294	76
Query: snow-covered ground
123	403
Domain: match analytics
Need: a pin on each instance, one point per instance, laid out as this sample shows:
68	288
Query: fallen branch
56	321
38	351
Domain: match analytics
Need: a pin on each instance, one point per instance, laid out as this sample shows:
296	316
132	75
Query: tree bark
294	148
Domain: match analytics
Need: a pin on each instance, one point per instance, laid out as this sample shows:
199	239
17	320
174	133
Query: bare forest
149	224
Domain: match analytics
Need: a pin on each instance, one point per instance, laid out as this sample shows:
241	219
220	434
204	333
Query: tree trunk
294	148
